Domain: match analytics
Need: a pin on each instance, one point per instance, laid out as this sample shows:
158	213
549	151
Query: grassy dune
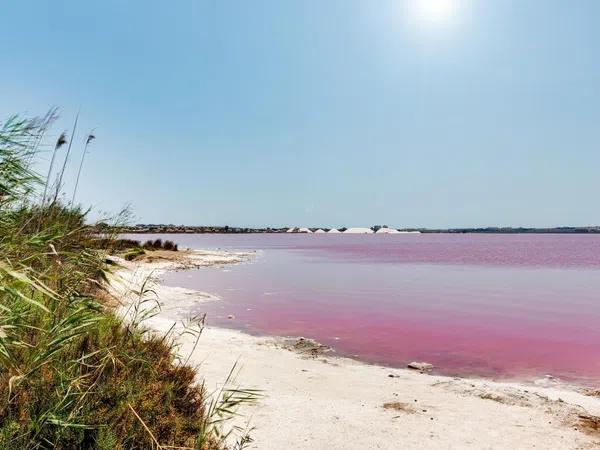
72	374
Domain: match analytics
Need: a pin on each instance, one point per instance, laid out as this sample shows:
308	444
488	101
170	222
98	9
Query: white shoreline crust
323	402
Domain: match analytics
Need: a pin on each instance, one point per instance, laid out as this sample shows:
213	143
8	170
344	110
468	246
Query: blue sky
320	113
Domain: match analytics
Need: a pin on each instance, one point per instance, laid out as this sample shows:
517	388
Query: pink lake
501	306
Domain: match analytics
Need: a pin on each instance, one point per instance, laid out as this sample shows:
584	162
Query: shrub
113	245
158	244
148	245
169	245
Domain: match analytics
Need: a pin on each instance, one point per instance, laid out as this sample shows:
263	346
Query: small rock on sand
547	381
422	366
306	347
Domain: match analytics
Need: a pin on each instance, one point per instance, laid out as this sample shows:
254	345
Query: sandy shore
324	402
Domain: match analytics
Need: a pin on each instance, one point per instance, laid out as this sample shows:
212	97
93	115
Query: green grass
72	374
133	253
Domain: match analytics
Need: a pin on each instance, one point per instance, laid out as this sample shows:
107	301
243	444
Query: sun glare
435	11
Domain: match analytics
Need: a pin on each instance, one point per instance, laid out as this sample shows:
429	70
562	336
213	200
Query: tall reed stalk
64	166
62	140
91	136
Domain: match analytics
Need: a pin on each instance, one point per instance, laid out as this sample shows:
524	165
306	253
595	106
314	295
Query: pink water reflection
492	305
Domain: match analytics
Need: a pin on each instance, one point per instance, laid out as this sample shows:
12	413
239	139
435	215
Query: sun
435	11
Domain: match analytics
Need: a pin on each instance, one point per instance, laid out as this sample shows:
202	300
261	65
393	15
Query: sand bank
313	401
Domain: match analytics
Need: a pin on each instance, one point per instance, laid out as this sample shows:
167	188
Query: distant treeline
520	230
162	228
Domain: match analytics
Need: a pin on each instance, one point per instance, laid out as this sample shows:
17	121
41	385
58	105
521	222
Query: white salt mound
387	231
359	230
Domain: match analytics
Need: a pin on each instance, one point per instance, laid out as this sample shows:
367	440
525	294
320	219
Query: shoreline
339	402
225	229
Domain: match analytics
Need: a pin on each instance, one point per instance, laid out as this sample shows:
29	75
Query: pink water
504	306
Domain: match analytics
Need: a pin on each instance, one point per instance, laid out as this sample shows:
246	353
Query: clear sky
433	113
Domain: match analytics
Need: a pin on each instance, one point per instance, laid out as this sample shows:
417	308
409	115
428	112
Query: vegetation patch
72	374
133	253
159	244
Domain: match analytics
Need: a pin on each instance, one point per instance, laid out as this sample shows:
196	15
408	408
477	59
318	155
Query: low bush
169	245
116	245
158	244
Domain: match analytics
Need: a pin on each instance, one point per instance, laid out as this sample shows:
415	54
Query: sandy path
338	403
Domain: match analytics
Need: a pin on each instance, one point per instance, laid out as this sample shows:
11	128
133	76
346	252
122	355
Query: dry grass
589	423
400	406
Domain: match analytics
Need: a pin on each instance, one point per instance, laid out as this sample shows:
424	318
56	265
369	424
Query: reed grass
72	374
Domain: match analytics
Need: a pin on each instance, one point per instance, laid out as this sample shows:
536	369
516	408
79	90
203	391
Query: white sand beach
313	401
